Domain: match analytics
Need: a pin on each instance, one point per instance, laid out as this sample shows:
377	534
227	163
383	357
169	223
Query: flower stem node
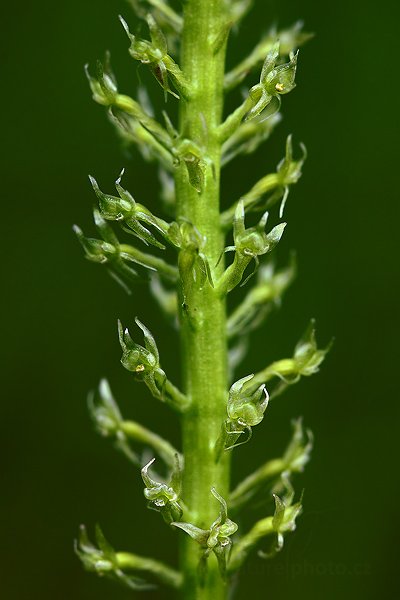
217	539
162	497
245	408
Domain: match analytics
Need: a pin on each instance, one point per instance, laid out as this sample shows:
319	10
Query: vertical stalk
203	318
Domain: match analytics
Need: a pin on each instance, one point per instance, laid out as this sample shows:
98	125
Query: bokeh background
59	311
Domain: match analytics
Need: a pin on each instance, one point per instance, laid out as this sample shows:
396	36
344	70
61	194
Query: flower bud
104	85
307	356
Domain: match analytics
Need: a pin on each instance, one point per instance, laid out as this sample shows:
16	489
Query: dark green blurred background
59	313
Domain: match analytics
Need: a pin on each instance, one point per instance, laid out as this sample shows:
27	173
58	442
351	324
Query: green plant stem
203	318
143	435
148	260
245	489
286	367
267	184
163	573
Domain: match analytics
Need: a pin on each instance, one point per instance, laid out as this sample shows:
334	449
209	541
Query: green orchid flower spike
196	257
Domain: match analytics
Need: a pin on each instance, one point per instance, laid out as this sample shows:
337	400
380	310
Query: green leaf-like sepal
162	497
102	559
